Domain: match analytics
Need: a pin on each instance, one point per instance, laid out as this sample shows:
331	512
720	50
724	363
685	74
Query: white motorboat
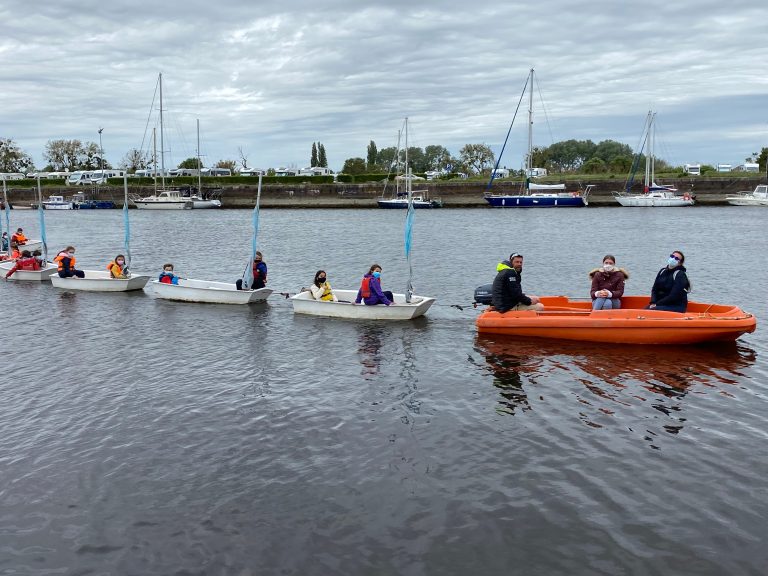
200	203
100	281
653	195
304	303
165	200
758	197
42	275
58	203
188	290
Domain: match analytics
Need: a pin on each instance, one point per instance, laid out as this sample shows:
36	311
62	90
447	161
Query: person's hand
534	299
652	306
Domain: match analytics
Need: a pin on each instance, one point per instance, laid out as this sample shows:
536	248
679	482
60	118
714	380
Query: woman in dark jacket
607	285
670	290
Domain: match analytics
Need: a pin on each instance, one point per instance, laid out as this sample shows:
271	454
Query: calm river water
139	436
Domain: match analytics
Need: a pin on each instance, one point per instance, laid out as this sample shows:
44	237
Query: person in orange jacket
19	237
25	262
66	261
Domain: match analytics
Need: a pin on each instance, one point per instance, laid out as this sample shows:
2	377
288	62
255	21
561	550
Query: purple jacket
376	297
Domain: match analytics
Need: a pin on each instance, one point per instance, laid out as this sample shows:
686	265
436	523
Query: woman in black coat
670	290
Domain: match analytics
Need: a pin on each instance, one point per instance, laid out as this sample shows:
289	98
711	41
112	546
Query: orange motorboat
568	319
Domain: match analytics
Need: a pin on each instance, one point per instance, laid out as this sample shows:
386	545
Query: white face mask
608	267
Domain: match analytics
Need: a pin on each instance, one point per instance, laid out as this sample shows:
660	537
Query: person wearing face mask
259	274
321	288
370	290
117	268
66	261
607	285
507	292
671	287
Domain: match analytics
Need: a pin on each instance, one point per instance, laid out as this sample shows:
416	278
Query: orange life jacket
112	265
365	287
19	238
60	260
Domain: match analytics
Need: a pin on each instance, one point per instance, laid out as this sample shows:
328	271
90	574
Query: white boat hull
100	281
152	205
304	303
188	290
648	201
43	275
32	245
758	197
203	204
58	205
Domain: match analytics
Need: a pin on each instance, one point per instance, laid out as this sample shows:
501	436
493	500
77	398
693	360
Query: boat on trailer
305	303
573	319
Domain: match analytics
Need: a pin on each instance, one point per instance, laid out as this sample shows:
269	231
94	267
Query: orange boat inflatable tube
566	319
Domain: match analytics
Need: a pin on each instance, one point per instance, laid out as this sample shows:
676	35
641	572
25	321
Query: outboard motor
483	294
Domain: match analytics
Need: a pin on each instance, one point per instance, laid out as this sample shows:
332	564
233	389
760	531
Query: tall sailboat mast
529	156
162	142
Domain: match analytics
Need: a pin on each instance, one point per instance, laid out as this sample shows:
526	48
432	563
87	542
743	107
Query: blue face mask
671	262
377	274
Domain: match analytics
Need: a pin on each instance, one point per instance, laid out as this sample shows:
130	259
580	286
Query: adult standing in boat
507	292
321	288
259	273
671	287
66	261
370	290
607	285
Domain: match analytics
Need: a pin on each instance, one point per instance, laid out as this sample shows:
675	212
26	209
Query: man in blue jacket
507	293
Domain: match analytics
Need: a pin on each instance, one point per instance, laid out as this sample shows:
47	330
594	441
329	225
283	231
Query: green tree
322	160
477	157
12	158
134	160
569	155
621	164
386	159
354	166
231	164
594	166
416	159
313	160
607	150
437	158
190	163
63	154
373	154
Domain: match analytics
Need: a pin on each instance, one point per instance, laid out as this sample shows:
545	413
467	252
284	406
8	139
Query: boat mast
162	142
126	224
154	155
41	214
199	166
648	153
408	220
529	157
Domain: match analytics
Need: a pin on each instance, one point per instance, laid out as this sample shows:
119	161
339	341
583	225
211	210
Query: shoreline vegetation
318	192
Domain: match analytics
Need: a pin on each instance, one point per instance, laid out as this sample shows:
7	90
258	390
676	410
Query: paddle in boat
102	280
653	195
46	269
567	319
405	306
207	291
533	195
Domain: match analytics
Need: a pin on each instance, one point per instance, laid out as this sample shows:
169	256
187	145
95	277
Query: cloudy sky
272	77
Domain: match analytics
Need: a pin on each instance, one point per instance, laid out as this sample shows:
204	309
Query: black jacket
507	291
671	288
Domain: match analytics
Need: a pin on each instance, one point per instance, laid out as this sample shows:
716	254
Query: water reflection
614	374
370	340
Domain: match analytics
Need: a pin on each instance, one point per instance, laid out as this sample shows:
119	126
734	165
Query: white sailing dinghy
207	291
48	268
101	280
30	245
405	307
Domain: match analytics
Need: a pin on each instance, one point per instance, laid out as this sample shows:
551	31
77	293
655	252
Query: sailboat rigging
534	195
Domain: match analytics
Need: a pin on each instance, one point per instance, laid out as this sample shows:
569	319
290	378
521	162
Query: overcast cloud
272	77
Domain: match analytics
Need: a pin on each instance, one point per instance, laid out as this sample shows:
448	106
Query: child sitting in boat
167	276
370	289
19	237
321	288
26	262
66	261
4	247
607	285
117	268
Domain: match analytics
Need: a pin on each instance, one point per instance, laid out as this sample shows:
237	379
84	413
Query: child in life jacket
167	276
25	262
117	268
370	289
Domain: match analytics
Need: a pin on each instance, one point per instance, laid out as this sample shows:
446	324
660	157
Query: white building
724	167
693	169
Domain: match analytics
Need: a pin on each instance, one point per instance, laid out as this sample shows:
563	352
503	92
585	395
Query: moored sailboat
653	195
534	195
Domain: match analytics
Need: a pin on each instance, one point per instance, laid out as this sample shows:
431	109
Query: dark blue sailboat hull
525	201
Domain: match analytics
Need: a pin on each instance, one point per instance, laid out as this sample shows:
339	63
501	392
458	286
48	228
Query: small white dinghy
304	303
42	275
206	291
31	245
98	281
